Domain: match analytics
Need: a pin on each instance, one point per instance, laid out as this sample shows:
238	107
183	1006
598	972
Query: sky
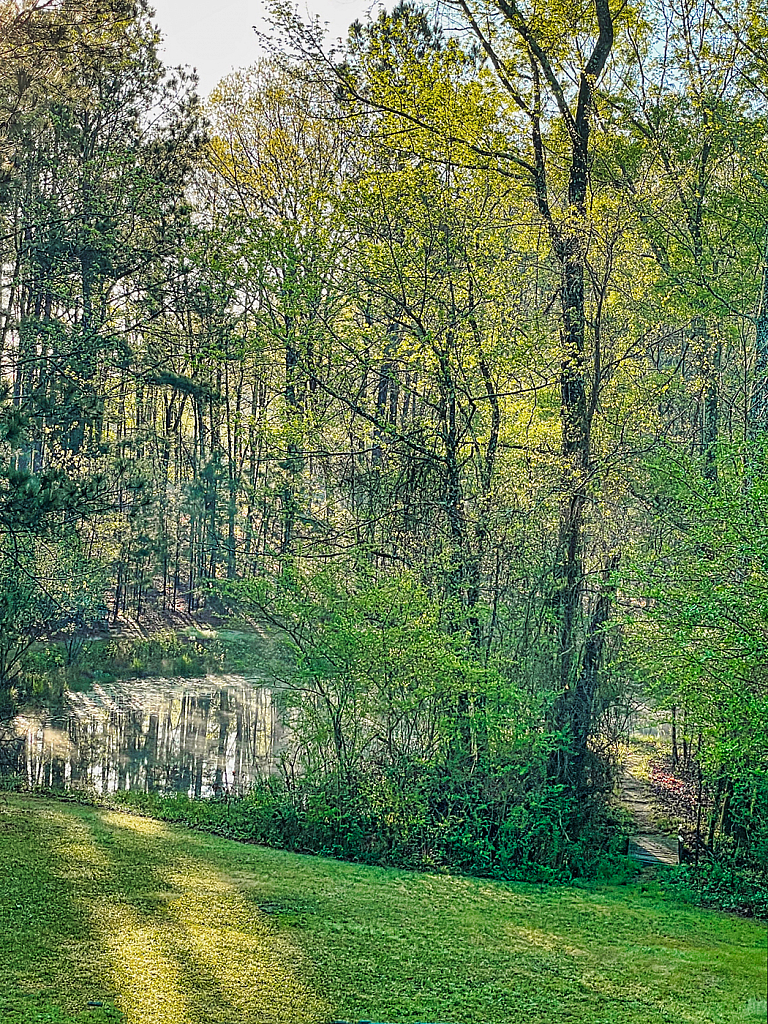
216	36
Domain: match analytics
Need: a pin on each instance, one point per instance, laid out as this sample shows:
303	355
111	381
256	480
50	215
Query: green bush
162	654
46	670
721	886
441	825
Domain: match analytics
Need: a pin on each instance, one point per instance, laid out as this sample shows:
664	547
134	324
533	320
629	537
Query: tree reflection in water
203	737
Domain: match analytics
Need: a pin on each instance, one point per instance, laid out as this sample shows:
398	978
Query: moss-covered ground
153	924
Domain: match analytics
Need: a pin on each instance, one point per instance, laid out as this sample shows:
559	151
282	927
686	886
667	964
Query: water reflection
203	737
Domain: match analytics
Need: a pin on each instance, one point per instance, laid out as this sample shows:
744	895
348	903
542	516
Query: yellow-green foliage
166	926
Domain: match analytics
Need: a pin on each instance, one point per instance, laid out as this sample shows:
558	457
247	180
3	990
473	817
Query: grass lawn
158	925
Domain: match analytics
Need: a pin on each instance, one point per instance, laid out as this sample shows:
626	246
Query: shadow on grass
49	964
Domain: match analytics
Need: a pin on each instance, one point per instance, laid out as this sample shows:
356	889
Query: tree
276	168
535	59
91	197
46	591
702	637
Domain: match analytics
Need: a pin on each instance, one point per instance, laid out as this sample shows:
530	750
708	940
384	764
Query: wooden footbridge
653	848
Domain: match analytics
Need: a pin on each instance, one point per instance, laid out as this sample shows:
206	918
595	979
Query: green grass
166	926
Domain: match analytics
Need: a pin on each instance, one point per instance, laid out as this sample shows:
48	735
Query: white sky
216	37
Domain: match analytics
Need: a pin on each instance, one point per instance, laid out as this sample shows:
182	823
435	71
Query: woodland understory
444	354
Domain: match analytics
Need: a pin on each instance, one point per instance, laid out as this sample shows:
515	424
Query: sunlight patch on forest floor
161	925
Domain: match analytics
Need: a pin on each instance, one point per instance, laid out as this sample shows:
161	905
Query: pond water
204	737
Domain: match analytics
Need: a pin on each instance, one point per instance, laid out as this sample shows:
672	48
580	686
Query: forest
440	355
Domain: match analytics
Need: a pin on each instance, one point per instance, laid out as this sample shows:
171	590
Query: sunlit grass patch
175	927
191	947
126	917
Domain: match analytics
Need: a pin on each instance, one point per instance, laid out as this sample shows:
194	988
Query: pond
204	737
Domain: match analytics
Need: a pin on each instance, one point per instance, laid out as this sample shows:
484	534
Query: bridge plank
653	849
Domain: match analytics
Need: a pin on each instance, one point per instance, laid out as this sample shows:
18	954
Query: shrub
365	821
721	886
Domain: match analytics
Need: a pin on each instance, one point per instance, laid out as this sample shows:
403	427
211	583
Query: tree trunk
758	412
